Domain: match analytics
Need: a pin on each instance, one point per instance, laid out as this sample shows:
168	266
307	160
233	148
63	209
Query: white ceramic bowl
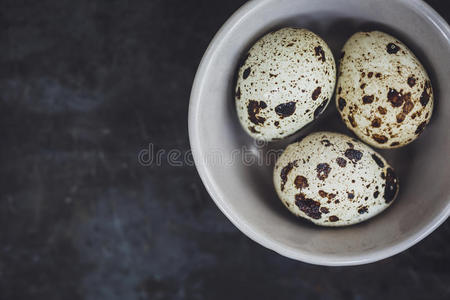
244	191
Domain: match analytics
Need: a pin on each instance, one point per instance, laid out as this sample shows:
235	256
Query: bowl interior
237	170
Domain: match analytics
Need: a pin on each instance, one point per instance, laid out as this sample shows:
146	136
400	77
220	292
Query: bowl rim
258	236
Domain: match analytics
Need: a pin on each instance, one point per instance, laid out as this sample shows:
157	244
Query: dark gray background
86	85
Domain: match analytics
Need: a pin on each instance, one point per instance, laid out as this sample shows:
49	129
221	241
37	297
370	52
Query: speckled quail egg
285	81
334	180
384	94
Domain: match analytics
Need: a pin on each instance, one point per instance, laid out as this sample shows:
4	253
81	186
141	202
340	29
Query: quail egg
384	94
334	180
285	81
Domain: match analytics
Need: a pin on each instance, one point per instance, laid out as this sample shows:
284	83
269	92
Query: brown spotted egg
384	94
334	180
285	81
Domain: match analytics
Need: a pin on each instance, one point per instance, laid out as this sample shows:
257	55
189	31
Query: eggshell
286	80
384	94
334	180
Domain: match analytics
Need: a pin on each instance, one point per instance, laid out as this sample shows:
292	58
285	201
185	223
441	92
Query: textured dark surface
84	86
